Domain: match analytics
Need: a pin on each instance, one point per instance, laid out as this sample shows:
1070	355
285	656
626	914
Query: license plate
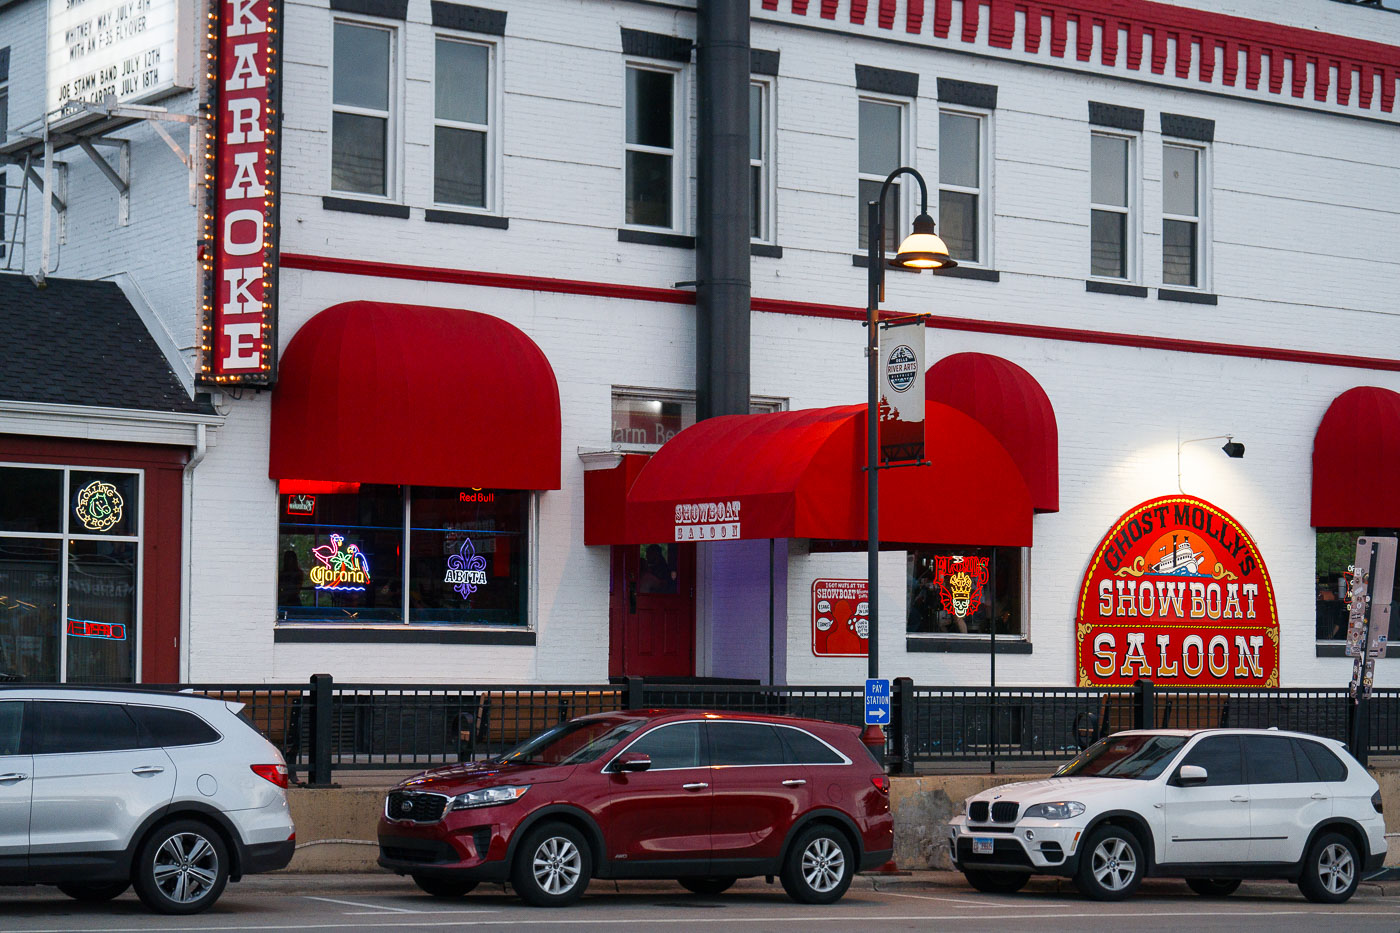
982	846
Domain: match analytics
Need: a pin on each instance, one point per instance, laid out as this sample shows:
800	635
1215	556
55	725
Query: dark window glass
11	717
745	743
31	577
84	727
658	570
881	129
1336	550
1307	772
650	421
1178	253
358	153
959	150
459	167
1136	757
101	626
102	503
31	500
1329	767
870	191
676	746
168	728
649	106
957	224
756	201
1270	759
649	189
361	66
1220	756
1108	252
342	554
960	590
462	83
467	555
803	748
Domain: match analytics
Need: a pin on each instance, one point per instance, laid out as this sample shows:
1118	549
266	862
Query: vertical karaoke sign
239	252
901	406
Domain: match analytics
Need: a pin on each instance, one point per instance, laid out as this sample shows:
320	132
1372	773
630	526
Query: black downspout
722	286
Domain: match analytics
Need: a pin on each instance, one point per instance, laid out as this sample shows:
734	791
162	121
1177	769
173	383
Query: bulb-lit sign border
239	255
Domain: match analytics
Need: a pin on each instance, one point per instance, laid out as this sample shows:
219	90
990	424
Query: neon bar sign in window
346	569
87	628
467	569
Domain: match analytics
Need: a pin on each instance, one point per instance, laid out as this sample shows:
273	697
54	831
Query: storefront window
961	590
345	548
1336	550
644	419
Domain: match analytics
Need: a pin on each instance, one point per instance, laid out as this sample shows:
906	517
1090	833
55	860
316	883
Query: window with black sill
1336	551
959	591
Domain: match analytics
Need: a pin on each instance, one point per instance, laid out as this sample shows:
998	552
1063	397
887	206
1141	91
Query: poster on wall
1177	592
840	618
901	403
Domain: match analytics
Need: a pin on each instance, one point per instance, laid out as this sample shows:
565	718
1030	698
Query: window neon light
99	506
87	628
467	569
340	570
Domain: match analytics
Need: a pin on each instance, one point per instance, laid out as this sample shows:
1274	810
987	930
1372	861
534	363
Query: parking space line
954	900
333	900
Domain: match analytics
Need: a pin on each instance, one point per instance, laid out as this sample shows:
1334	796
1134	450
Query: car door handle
794	782
1238	799
699	785
147	769
1319	796
12	777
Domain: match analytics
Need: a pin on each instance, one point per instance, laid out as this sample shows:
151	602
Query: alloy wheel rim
1114	864
823	865
1336	868
557	865
185	867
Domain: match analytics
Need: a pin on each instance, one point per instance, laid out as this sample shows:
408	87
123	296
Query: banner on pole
901	407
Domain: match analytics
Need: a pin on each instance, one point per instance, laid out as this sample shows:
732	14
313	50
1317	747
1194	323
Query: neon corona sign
346	569
466	569
99	506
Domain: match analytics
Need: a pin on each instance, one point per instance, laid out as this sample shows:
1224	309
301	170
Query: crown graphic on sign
960	585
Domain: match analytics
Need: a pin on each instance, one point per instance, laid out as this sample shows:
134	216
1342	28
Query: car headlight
1061	810
488	797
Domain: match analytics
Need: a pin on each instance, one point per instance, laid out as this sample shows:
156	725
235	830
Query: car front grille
978	811
1004	811
420	808
420	851
1004	852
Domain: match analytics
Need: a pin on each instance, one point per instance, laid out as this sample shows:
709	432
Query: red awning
798	474
1354	455
384	393
1009	403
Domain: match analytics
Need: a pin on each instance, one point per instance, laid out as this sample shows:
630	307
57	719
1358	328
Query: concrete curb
952	881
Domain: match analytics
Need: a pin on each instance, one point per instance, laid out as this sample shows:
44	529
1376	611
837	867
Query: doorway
651	612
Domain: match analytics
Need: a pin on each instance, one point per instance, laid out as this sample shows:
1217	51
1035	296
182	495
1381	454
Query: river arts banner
1177	592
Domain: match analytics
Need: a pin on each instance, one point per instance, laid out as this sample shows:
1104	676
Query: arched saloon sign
1178	593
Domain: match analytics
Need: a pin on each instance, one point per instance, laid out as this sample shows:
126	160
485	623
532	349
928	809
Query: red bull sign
1177	593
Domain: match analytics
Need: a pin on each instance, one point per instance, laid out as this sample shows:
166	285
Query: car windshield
573	742
1140	757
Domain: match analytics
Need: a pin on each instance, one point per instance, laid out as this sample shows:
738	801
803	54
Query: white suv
1213	807
103	789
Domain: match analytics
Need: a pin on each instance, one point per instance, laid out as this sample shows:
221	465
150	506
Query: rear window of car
745	743
169	728
1328	766
11	716
805	748
66	727
1270	759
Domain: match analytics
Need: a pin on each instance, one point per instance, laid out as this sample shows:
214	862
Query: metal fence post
1144	704
636	693
322	691
902	725
1358	740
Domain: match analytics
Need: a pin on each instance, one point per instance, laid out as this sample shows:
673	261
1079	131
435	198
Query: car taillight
277	774
881	782
1376	802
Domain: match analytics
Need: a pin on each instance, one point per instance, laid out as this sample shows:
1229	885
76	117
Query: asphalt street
370	903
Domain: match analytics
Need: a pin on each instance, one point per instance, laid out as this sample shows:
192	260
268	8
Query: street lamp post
922	249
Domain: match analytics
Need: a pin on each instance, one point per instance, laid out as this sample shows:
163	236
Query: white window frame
680	123
984	175
767	228
1203	188
393	136
491	193
1132	236
906	146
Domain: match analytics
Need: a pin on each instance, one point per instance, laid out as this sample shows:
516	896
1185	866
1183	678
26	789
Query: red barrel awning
1354	454
1009	403
799	474
371	392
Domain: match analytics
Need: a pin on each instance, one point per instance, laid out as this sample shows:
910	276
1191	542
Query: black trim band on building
404	635
969	272
356	206
389	9
469	18
649	238
1199	128
5	63
467	219
1115	288
656	45
924	644
862	261
767	250
887	81
1120	118
1195	298
966	93
763	62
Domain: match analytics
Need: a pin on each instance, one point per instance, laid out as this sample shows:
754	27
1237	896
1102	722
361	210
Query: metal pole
876	255
771	544
995	607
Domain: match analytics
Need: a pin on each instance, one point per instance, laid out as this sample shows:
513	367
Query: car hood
456	779
1063	788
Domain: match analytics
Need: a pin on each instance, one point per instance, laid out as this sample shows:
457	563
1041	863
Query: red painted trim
812	309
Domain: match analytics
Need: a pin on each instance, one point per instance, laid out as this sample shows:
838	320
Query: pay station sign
877	702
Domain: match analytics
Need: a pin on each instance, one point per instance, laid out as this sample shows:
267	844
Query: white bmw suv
1213	807
102	789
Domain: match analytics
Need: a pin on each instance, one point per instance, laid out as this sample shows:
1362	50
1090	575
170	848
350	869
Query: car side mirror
632	761
1191	775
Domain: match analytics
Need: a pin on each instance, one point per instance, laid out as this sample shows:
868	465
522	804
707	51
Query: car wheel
1331	870
996	882
95	892
819	866
717	884
445	887
1111	864
553	866
1213	887
182	868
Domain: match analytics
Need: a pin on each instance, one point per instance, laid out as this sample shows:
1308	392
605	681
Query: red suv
702	797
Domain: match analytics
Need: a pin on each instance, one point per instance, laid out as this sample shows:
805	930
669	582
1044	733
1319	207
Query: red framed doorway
651	611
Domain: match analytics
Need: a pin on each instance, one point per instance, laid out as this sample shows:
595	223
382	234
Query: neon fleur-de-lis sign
346	569
466	569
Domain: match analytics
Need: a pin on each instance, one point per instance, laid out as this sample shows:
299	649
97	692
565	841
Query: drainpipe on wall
187	546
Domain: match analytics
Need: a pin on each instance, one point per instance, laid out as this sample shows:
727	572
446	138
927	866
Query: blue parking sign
877	702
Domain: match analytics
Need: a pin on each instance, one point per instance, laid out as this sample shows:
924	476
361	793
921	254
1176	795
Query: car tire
445	887
553	866
98	892
819	866
996	882
1111	864
182	868
1331	870
1213	887
716	884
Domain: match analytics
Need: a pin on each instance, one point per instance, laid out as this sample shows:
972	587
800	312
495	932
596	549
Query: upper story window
653	160
961	185
965	591
1112	212
362	118
1336	551
463	147
644	419
760	161
1182	227
882	150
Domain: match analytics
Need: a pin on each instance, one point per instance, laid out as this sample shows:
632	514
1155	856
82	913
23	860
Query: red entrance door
652	611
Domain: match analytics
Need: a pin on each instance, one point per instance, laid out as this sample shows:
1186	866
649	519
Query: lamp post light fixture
922	249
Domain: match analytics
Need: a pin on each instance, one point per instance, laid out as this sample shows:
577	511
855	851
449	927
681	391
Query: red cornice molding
1198	35
385	270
